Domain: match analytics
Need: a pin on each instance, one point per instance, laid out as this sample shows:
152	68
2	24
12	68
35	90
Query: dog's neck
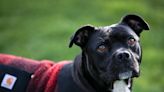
83	78
90	84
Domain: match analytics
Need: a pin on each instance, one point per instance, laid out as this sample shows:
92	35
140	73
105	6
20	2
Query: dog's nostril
126	55
119	56
123	55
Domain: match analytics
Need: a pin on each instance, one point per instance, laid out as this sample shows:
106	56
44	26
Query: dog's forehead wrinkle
99	36
122	33
105	30
116	31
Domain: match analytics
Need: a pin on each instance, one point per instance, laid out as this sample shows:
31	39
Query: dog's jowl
109	60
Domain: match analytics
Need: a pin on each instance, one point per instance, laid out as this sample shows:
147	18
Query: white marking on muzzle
125	75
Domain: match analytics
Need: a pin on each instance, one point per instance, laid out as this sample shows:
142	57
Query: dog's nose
123	55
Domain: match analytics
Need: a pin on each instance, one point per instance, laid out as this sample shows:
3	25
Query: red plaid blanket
44	73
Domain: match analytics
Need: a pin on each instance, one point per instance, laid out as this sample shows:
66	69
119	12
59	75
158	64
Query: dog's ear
81	36
136	23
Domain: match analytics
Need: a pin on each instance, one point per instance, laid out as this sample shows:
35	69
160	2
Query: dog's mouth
128	74
120	73
125	75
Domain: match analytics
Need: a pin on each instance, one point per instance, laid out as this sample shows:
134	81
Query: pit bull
110	59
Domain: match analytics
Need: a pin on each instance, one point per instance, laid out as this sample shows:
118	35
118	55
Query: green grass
41	29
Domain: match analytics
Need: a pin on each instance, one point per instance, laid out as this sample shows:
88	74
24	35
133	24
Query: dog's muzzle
126	65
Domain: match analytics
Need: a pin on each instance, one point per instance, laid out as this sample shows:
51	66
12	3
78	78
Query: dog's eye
102	48
131	41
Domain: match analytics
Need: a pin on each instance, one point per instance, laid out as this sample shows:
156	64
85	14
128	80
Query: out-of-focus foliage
41	29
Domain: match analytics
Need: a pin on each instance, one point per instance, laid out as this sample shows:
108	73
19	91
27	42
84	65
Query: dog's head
112	52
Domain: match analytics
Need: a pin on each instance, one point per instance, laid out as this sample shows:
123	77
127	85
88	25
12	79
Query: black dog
109	60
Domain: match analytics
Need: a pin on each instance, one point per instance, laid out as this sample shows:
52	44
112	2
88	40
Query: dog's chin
125	75
120	76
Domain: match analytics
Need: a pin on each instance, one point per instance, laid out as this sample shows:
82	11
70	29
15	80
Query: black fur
108	54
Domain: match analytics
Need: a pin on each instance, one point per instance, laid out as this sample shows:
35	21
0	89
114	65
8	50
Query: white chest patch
120	86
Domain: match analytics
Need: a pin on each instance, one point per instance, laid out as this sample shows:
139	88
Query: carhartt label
8	81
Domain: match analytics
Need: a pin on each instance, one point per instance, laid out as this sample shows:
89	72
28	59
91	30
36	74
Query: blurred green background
41	29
